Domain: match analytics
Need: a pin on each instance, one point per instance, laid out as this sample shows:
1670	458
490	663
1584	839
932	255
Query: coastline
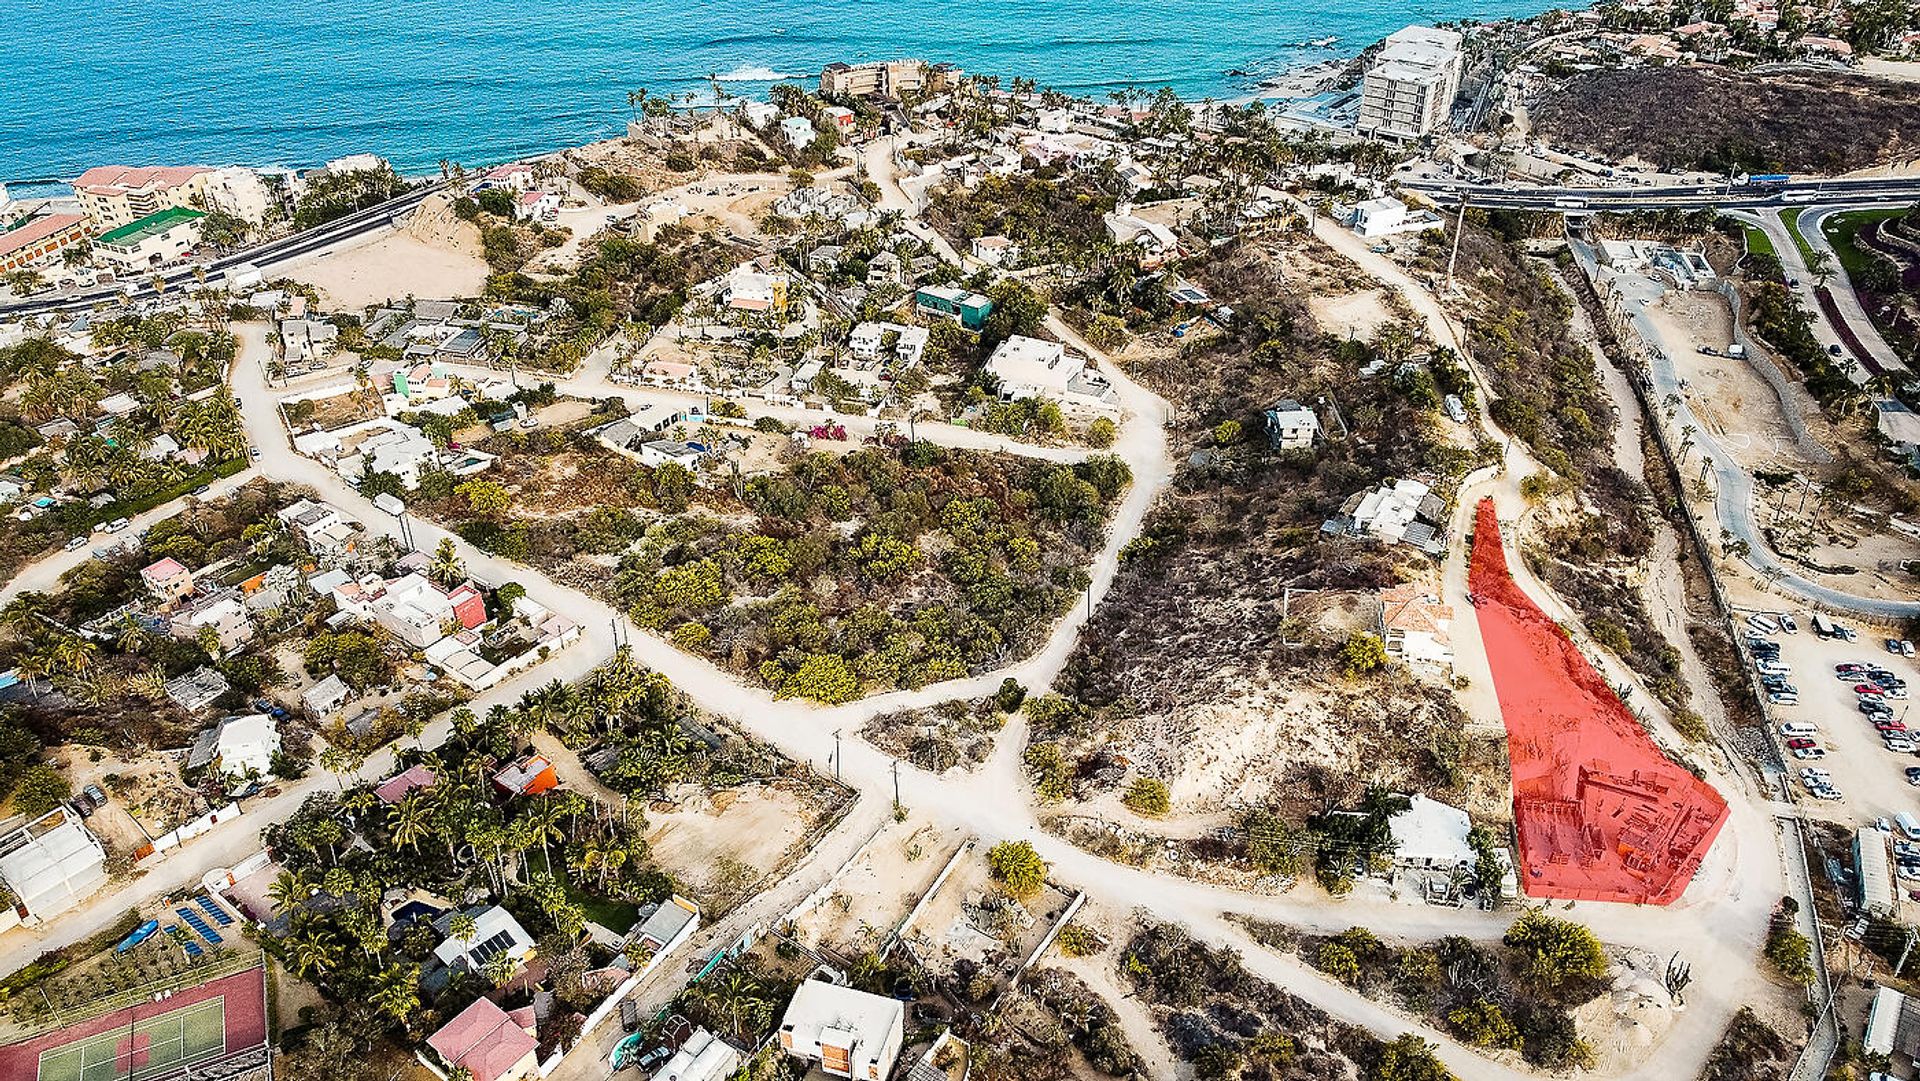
510	87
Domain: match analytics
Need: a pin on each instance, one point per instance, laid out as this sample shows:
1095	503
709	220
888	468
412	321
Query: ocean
88	82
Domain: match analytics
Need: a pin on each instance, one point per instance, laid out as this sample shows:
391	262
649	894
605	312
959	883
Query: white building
1033	368
1432	836
997	251
305	340
1388	217
238	746
495	931
1156	242
52	864
536	206
1291	426
868	341
797	131
155	240
412	609
1408	91
240	192
658	452
846	1033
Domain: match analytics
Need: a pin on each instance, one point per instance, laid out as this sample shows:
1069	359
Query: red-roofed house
488	1043
36	240
116	195
514	176
469	607
528	778
395	788
167	579
1414	625
536	204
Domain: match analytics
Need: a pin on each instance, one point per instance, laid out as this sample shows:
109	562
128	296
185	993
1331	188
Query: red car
1800	744
1890	724
1869	688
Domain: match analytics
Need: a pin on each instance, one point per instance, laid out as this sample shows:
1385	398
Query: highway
1812	191
263	256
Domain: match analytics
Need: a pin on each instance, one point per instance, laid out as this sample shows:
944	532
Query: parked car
1800	744
1787	624
1913	776
202	489
76	543
1783	698
1906	648
1873	689
1875	708
1810	753
1849	669
1899	744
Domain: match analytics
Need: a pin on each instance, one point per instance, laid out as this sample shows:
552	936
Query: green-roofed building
154	240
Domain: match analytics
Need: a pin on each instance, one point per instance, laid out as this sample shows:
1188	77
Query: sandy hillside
433	254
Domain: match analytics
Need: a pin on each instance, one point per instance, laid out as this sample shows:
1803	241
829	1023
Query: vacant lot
1708	118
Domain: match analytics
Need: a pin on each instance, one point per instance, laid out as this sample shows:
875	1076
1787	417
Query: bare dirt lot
1724	391
723	844
147	786
433	255
879	888
1352	315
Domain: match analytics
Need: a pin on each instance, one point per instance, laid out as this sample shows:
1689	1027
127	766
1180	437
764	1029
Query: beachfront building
34	241
1408	91
155	240
884	79
117	195
240	192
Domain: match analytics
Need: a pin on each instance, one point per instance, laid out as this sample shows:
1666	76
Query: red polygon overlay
1601	813
245	1011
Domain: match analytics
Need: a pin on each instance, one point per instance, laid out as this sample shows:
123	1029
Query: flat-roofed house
845	1032
52	864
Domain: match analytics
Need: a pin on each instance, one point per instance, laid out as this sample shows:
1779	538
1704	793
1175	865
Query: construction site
1601	813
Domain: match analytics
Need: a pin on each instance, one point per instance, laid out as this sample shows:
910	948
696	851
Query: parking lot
1870	777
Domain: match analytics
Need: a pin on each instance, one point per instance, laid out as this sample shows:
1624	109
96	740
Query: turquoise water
84	82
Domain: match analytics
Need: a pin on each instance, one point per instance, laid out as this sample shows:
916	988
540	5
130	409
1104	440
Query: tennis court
149	1048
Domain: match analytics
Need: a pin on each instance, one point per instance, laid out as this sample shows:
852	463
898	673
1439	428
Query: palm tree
463	927
446	566
396	992
409	820
73	653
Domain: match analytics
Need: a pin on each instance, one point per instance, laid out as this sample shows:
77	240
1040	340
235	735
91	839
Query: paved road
1804	192
1811	224
263	256
1733	485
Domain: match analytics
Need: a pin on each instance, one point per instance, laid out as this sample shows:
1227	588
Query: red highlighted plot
1602	814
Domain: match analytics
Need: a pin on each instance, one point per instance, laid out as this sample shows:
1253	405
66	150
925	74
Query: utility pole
836	759
1459	225
896	786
